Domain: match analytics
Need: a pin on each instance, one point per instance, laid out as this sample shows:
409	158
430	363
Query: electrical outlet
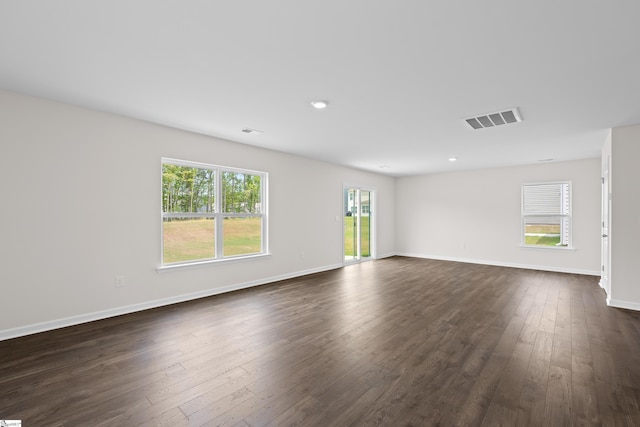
120	281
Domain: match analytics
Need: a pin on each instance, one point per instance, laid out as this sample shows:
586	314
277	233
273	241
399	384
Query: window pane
188	239
241	193
187	189
546	231
365	224
242	236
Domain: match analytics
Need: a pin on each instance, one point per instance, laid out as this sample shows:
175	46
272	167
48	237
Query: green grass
349	233
242	236
542	240
188	240
194	239
553	229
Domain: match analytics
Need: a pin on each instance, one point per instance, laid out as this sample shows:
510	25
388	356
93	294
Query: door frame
372	222
605	273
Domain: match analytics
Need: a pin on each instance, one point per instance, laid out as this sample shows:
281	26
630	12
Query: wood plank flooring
399	341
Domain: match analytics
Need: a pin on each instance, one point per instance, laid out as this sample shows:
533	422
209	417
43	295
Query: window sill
198	264
550	248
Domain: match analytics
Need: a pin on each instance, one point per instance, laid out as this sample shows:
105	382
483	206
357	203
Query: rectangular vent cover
494	119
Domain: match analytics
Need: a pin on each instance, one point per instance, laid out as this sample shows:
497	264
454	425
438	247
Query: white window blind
546	199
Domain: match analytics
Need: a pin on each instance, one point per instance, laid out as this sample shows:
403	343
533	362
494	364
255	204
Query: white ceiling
400	75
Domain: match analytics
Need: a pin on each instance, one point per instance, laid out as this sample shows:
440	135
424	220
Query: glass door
358	224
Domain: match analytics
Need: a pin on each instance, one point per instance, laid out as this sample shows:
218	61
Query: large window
211	212
546	214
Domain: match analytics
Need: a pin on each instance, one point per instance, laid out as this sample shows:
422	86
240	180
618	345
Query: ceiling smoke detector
494	119
251	131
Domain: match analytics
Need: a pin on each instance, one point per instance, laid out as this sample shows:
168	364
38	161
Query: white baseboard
103	314
629	305
505	264
387	255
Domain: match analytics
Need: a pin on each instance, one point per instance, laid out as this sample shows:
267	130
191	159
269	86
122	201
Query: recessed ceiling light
319	104
251	131
545	160
383	167
453	159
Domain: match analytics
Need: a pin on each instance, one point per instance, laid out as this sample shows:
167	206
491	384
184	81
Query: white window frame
217	214
566	214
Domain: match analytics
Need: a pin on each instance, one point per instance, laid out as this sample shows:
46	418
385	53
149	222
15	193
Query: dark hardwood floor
394	342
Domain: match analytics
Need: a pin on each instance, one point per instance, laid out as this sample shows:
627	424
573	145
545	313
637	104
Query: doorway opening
358	242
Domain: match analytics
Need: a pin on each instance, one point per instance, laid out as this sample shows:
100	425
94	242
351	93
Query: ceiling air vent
494	119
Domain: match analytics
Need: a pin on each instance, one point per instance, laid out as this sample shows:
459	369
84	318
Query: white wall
474	216
624	233
81	204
